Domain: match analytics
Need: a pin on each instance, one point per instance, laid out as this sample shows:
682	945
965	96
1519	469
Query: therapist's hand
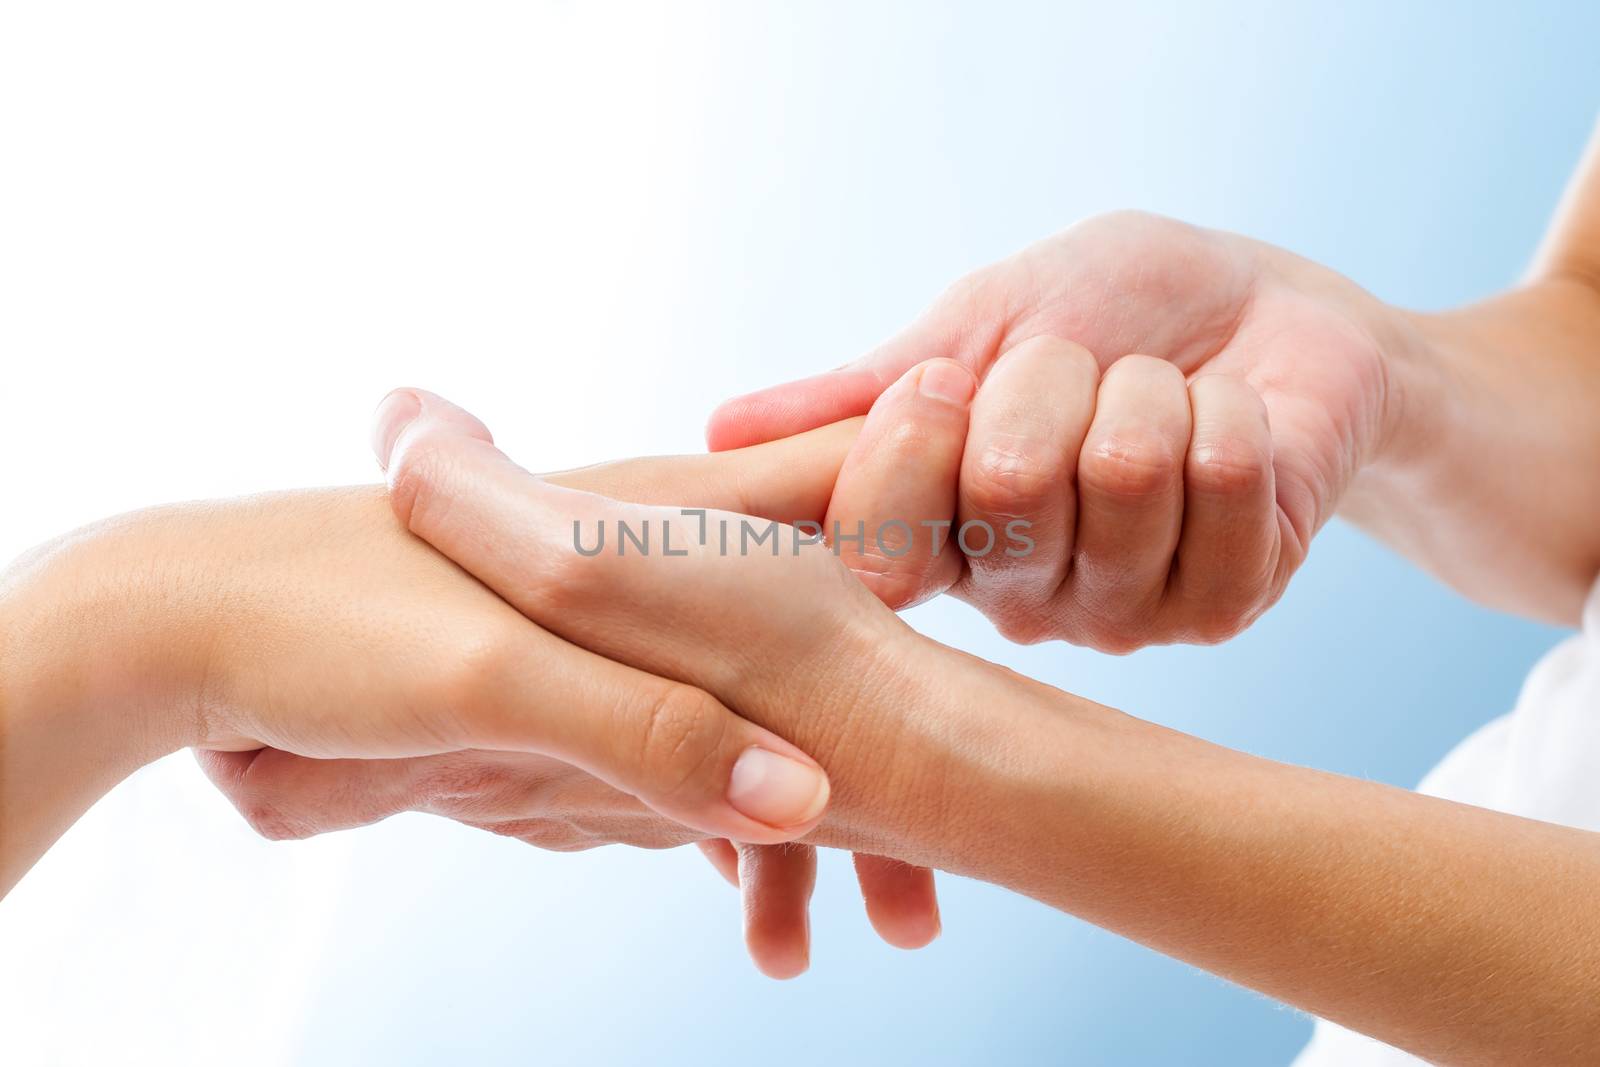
1174	411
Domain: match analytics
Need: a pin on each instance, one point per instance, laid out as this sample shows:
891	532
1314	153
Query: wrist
967	751
1412	408
1493	418
1449	368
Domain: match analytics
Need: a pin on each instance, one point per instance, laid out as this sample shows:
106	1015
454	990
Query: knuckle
270	820
681	729
1219	614
1011	481
1147	372
905	440
1215	628
1227	466
468	688
563	582
1131	466
897	583
1056	349
1025	627
588	569
414	476
1113	642
481	661
1115	634
263	809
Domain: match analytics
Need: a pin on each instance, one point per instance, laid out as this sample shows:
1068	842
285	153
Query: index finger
953	328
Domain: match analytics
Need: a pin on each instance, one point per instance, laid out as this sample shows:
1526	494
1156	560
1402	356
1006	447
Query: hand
782	630
548	803
790	481
1216	857
1175	411
312	627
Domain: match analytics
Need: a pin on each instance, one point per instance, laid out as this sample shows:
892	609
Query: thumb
958	326
400	408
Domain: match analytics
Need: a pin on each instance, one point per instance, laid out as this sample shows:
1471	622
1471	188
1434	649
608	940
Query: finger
777	882
542	802
283	796
721	854
890	515
1020	470
675	747
1130	499
901	900
535	799
960	325
789	480
400	408
784	410
1231	544
739	622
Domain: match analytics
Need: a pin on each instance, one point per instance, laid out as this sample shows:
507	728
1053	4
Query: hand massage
1128	434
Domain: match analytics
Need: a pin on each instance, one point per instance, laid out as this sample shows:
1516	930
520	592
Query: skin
1159	517
1342	897
1151	393
1460	934
331	670
313	625
1177	411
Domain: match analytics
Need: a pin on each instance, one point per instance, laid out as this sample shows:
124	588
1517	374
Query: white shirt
1541	761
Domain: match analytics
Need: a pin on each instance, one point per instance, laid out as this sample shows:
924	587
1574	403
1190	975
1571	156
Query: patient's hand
795	640
539	799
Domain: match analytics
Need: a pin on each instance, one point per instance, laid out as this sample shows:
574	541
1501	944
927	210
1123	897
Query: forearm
1489	477
1461	934
1488	472
70	725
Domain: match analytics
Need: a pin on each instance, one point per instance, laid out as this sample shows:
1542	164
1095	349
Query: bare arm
1460	934
1179	410
1491	479
1464	935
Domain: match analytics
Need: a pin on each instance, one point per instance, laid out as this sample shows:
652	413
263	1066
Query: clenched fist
1138	423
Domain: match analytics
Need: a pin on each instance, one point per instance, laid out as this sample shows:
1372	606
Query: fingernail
394	414
947	382
775	789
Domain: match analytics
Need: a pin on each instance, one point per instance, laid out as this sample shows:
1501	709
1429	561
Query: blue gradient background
860	158
238	225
